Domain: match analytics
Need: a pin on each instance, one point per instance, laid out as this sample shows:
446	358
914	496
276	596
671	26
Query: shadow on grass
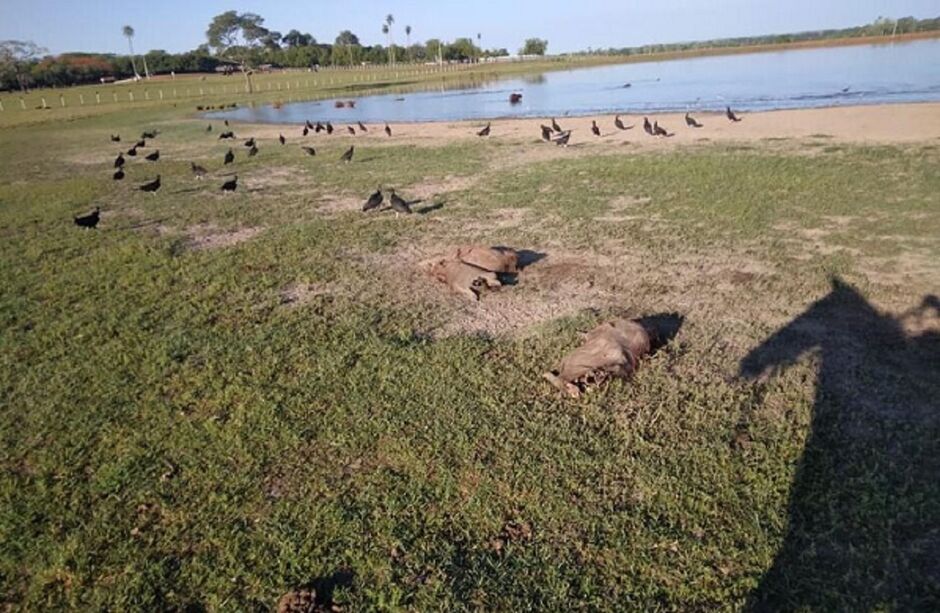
864	511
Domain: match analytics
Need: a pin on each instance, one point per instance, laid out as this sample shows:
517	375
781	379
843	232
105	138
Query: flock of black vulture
553	133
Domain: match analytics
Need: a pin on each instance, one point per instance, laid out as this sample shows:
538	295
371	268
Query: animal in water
226	135
141	143
309	150
647	126
150	135
348	156
153	157
595	129
546	133
555	126
363	127
119	160
626	85
231	185
730	115
374	201
89	221
115	138
198	171
398	204
151	186
515	98
351	130
209	128
118	174
485	131
253	151
845	90
691	122
562	139
281	139
250	142
229	157
329	128
388	130
306	130
132	152
618	123
658	130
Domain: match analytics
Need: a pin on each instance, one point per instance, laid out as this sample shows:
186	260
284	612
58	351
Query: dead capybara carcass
494	259
465	279
611	350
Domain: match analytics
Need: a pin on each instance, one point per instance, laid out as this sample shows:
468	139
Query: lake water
858	74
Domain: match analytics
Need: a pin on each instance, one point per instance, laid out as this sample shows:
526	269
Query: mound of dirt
611	350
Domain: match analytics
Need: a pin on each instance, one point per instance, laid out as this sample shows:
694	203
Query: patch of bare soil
431	188
203	237
554	283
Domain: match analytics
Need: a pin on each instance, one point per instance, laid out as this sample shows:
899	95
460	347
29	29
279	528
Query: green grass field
213	399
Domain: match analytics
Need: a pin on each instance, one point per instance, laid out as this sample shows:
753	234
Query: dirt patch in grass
206	237
431	188
555	283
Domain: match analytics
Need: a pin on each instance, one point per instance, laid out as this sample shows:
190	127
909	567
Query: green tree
16	56
234	36
348	41
435	48
389	20
534	46
295	39
408	38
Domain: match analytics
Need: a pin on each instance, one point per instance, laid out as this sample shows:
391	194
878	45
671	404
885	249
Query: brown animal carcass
465	279
611	350
494	259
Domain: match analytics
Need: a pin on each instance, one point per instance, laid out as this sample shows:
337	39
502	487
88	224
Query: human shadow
864	511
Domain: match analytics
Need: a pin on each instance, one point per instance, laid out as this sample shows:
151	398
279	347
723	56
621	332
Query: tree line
882	26
234	41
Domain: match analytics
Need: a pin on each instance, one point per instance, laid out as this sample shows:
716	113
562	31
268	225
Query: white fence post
130	96
44	105
81	99
161	94
23	104
62	100
115	96
97	98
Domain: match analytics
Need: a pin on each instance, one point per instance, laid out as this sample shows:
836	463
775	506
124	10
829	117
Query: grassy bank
212	399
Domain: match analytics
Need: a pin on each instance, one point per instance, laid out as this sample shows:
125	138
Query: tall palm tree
388	38
129	33
389	20
408	38
479	44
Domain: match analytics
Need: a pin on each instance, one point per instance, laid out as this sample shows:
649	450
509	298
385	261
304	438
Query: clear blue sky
179	25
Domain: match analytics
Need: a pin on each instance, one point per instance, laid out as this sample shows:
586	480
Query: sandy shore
877	124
